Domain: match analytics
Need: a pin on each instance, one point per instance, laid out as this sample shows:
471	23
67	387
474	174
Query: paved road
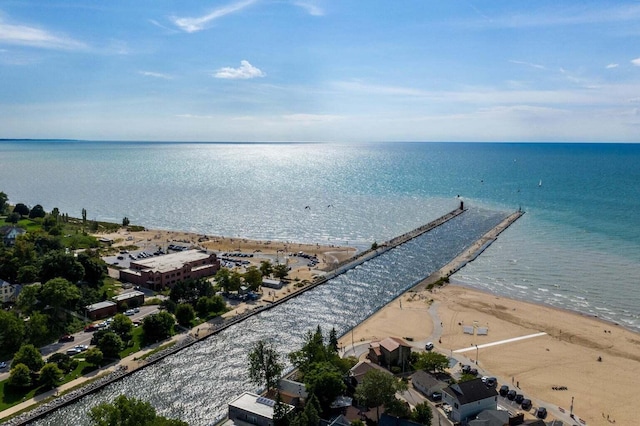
80	338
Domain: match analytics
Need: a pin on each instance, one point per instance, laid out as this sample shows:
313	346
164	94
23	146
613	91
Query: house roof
393	343
128	295
256	404
292	388
471	391
360	369
99	305
426	380
491	418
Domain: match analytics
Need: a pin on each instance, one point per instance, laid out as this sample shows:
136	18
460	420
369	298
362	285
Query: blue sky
341	70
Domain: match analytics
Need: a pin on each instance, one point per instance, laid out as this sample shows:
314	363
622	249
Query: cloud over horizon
36	37
244	72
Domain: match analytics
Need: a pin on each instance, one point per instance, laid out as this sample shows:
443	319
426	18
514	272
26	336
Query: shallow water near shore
196	384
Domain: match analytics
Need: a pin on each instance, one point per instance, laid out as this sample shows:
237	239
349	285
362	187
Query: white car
129	312
81	348
428	346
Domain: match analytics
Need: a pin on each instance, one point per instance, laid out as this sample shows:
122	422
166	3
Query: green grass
136	340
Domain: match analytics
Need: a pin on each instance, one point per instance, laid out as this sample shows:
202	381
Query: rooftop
256	404
127	295
171	262
99	305
471	391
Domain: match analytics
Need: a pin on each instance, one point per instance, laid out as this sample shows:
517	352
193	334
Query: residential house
427	383
10	233
292	392
9	292
389	352
253	409
467	399
357	372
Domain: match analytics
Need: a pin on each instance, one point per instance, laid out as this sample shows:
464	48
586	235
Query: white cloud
529	64
610	66
245	71
312	118
192	25
636	62
312	9
155	75
36	37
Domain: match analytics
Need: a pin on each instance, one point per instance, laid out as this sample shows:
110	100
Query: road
80	338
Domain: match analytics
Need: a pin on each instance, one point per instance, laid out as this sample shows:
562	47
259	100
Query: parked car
136	310
526	404
73	351
511	395
3	365
465	369
91	327
491	382
429	346
503	390
129	312
66	338
542	413
81	348
519	398
436	396
473	371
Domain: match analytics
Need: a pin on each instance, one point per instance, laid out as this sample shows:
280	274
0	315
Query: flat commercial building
101	310
165	271
253	409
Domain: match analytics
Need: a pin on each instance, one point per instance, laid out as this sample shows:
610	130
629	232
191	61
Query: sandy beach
567	356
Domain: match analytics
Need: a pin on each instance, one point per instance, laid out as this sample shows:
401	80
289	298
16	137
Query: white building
467	399
254	409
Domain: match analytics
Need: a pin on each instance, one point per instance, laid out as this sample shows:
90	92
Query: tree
223	277
111	344
235	281
378	388
122	326
333	340
20	376
280	411
265	367
157	326
84	217
191	290
422	414
280	271
4	206
266	268
325	382
313	351
94	267
11	331
94	356
21	209
59	293
210	305
125	221
50	375
37	329
129	412
13	217
63	361
58	264
253	278
431	361
37	211
28	274
29	356
28	298
185	314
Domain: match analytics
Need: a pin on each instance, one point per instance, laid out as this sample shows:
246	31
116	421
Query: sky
315	70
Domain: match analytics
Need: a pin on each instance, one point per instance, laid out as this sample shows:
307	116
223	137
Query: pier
213	327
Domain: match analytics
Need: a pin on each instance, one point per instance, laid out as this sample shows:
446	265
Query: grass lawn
136	338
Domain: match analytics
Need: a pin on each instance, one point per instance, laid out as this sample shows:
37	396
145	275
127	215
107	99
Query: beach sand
566	356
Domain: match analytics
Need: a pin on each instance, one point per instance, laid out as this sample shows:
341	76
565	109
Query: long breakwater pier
54	402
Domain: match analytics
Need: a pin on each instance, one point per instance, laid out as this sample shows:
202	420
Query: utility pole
476	354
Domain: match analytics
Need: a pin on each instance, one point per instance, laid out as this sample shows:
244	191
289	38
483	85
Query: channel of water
195	384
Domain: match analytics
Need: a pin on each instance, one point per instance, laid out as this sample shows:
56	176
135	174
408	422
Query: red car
66	338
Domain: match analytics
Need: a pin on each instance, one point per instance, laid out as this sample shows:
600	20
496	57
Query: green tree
94	356
265	367
280	271
37	329
125	221
20	376
266	268
325	382
95	269
63	361
58	264
333	340
84	217
185	314
189	291
157	327
129	412
4	206
28	274
111	344
37	211
431	361
378	388
210	305
21	209
280	411
235	281
11	331
253	278
29	356
422	414
313	351
28	298
223	279
50	375
13	217
122	326
59	293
